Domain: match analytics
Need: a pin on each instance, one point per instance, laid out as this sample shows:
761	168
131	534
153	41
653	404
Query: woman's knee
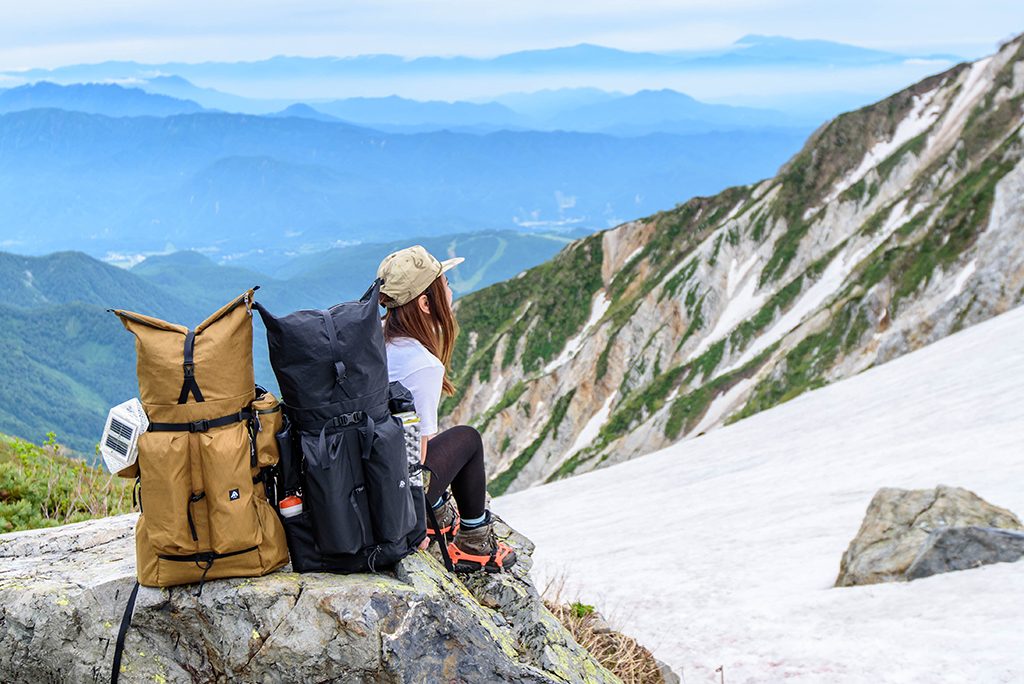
470	437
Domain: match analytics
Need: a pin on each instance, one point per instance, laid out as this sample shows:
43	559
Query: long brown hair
436	331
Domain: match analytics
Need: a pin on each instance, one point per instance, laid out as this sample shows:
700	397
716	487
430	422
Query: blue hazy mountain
232	182
749	50
546	103
394	110
304	111
665	110
94	98
779	50
211	98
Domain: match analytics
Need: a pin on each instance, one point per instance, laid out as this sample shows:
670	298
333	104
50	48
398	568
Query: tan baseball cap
408	272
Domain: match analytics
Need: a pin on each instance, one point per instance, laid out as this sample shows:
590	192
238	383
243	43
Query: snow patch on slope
597	309
591	429
756	516
920	118
722	403
961	278
744	300
830	282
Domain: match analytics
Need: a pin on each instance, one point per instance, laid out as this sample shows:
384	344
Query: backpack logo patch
233	495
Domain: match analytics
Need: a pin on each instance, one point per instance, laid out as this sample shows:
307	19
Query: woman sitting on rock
419	332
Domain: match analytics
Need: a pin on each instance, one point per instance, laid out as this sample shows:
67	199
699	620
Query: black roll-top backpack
341	447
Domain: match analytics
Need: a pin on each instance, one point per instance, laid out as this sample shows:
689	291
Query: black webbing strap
206	556
126	621
189	385
444	547
202	425
332	336
433	518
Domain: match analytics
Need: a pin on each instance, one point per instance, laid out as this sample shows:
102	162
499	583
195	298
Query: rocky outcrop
909	528
962	548
897	224
63	590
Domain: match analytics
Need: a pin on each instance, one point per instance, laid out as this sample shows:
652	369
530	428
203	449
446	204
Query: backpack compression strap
202	425
189	386
126	621
332	337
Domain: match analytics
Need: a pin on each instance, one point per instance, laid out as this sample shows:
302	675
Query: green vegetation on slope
40	487
500	484
806	365
65	367
542	309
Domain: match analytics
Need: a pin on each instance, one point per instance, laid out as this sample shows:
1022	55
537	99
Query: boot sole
466	567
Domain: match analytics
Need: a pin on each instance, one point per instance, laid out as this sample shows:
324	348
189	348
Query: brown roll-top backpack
203	464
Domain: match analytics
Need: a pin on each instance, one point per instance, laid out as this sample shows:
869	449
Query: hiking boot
447	519
477	549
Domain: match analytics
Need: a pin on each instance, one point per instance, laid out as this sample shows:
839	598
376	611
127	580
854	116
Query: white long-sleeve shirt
422	373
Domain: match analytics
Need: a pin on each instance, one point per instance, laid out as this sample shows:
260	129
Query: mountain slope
731	542
896	225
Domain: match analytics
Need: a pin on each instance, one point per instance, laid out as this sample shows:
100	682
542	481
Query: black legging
456	457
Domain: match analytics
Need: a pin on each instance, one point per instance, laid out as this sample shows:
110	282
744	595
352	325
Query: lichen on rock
63	590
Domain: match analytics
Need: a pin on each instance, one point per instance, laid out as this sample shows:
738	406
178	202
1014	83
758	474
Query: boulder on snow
962	548
898	523
63	591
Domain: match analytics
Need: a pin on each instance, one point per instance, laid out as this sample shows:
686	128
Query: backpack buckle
199	425
190	369
346	419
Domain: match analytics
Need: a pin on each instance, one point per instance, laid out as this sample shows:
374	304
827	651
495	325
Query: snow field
722	550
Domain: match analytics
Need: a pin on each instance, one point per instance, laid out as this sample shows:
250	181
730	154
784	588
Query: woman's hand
424	544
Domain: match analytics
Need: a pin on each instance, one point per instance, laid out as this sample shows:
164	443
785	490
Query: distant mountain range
642	113
565	78
235	183
751	49
93	98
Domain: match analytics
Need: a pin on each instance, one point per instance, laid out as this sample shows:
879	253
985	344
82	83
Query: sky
49	33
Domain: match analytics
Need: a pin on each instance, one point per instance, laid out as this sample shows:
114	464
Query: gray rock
961	548
62	592
667	673
898	522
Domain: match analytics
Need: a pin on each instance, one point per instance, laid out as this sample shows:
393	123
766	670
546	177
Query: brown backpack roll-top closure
221	363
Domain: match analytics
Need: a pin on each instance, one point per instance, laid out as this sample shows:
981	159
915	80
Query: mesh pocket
270	420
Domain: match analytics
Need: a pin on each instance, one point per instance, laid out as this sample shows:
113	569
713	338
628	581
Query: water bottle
411	424
290	506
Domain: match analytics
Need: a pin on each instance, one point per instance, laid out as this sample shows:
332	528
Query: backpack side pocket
387	482
165	475
224	454
269	420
